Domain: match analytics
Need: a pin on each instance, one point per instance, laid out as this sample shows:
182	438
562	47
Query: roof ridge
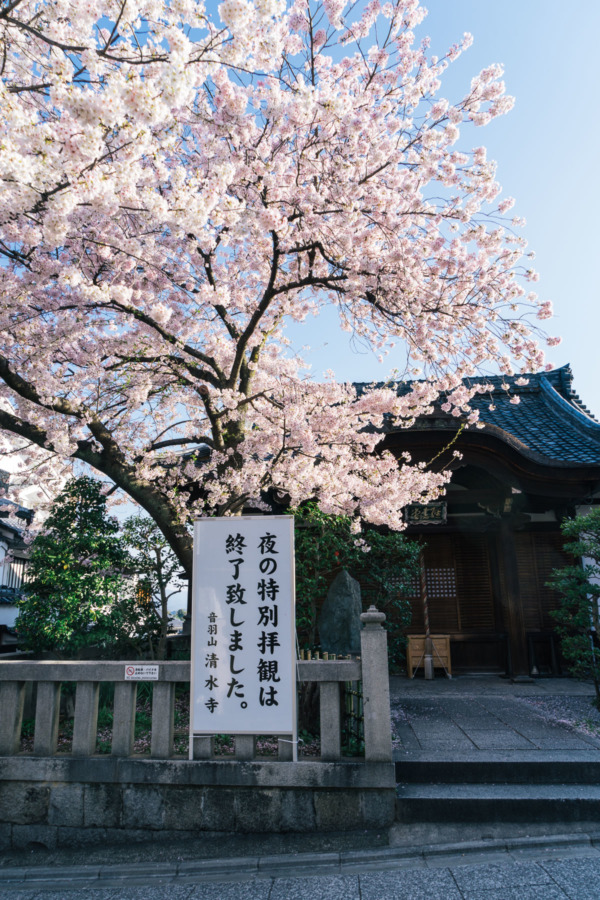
566	406
566	377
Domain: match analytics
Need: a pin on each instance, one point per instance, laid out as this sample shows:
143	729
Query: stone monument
339	622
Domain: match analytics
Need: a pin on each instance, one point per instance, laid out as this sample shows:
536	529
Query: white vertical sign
243	626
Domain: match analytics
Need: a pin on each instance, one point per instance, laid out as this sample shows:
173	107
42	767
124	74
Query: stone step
529	767
418	803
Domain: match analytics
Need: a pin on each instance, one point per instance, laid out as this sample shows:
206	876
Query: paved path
469	714
487	684
534	871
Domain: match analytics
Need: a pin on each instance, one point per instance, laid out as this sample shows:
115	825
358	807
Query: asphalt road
534	872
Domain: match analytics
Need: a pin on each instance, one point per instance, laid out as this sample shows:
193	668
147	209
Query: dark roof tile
550	419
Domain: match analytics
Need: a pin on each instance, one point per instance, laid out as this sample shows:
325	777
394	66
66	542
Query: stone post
285	747
124	718
163	712
12	698
203	746
331	720
86	718
376	687
47	712
245	746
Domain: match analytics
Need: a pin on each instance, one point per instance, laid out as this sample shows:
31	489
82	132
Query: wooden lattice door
538	553
459	586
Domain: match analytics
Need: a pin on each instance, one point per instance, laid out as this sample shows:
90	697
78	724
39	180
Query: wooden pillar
512	607
498	592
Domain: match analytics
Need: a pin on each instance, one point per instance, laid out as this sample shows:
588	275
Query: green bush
77	595
384	563
579	585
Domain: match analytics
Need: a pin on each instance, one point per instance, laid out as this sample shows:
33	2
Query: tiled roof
8	596
550	423
550	418
9	510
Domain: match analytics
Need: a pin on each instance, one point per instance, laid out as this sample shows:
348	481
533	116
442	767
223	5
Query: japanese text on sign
141	673
243	626
426	514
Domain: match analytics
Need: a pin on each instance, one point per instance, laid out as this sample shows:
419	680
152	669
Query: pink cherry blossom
179	182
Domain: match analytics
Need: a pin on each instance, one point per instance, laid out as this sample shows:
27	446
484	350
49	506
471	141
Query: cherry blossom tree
177	185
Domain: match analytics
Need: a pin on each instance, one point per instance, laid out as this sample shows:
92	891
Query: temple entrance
486	573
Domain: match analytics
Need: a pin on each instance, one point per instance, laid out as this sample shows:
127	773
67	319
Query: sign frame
433	513
141	672
200	590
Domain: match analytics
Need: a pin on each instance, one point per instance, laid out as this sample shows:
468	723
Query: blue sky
548	157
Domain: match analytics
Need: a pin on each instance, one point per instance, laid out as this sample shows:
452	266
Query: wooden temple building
493	540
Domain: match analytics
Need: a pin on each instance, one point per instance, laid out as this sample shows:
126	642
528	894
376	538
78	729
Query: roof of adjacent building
8	596
13	515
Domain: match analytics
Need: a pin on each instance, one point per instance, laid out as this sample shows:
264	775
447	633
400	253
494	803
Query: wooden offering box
415	652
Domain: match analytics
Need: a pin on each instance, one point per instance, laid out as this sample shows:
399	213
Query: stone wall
54	802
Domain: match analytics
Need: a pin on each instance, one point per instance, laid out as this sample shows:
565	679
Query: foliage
179	183
76	594
157	569
384	564
579	584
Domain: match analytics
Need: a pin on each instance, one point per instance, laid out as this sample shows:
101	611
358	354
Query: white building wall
8	615
10	576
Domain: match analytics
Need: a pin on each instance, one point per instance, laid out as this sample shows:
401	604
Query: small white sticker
141	673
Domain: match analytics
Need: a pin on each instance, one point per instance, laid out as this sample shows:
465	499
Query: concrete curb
298	865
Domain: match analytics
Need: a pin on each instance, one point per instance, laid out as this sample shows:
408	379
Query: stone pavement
470	714
481	757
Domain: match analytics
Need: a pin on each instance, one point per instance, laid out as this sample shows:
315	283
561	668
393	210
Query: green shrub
579	585
384	563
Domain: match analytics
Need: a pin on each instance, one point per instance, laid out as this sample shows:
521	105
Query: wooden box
415	652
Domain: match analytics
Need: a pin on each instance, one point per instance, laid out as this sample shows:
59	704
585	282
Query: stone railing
65	799
370	669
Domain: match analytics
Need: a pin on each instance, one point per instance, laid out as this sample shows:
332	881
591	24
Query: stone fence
55	798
